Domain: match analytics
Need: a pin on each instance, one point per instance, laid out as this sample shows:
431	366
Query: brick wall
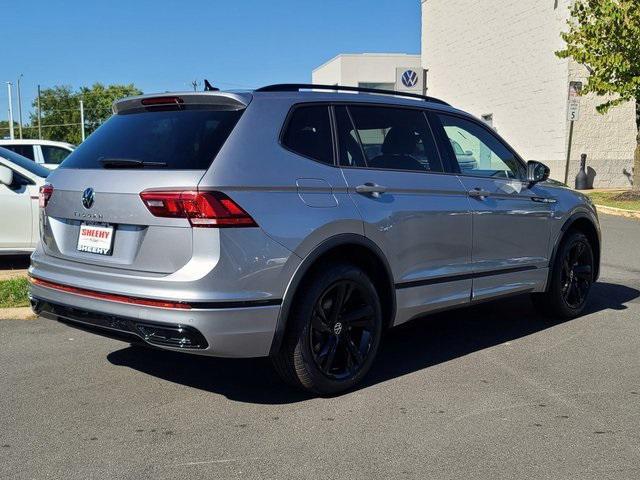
497	56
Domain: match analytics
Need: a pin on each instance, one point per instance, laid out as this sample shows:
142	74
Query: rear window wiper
128	163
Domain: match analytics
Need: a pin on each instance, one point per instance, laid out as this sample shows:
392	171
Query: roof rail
294	87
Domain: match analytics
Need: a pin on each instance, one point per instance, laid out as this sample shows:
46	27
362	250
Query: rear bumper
240	331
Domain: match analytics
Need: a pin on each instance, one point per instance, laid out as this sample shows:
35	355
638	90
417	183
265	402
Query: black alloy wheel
342	330
333	330
572	275
577	274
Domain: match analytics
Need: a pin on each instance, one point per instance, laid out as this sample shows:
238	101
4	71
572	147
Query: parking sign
573	106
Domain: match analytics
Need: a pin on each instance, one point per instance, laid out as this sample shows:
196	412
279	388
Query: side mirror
537	172
6	176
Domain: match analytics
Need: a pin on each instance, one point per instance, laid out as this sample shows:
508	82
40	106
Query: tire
329	349
571	279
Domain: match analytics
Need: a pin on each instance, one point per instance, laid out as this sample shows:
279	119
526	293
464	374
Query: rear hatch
95	214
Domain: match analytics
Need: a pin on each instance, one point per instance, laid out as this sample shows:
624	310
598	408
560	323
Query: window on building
309	133
379	86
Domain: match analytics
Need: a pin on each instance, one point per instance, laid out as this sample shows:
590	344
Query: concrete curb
620	212
9	274
19	313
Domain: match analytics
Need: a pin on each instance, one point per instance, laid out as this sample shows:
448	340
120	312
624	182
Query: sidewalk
20	313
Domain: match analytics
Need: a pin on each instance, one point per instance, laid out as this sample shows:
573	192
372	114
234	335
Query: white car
47	153
20	182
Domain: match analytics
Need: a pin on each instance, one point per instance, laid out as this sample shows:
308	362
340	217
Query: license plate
95	239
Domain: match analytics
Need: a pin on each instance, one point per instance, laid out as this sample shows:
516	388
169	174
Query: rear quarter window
186	139
308	133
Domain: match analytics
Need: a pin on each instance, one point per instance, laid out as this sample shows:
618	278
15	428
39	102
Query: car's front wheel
571	278
333	331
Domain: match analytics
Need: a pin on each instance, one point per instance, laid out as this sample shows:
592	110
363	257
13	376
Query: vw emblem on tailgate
88	197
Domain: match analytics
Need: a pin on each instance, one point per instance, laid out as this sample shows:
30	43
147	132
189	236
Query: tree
5	130
98	101
60	114
60	107
604	36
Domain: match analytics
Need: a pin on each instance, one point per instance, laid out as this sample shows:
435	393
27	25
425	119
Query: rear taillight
46	191
203	209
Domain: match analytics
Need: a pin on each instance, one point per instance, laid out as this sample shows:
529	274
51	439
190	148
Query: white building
371	70
495	58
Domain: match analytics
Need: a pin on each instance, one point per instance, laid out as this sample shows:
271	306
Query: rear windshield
177	139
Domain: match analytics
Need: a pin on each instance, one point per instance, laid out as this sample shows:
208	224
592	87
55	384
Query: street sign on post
573	113
573	105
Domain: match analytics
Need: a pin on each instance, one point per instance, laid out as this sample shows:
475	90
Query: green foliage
4	128
604	36
616	199
60	106
13	292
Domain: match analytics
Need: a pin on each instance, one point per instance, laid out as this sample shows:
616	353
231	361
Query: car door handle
479	193
371	188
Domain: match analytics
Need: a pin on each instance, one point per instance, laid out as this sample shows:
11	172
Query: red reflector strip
146	302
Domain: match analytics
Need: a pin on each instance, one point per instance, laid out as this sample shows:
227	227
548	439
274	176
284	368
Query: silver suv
299	222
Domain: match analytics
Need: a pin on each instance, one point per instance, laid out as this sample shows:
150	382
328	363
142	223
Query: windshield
167	140
25	163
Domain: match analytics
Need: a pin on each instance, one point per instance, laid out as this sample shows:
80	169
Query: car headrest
399	141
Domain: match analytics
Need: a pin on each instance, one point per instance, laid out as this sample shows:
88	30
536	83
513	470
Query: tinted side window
309	133
54	155
396	139
477	151
349	149
24	150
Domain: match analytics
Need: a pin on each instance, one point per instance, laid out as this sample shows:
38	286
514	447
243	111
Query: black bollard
582	181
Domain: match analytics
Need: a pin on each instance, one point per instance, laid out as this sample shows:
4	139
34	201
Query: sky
163	45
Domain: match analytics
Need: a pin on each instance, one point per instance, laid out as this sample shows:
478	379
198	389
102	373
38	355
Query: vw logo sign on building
409	79
88	197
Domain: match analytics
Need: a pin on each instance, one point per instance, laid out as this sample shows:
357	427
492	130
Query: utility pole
10	111
82	120
19	108
425	72
39	117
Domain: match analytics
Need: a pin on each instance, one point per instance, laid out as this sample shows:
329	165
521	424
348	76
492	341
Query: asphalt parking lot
488	392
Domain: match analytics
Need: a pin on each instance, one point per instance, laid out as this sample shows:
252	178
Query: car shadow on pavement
411	347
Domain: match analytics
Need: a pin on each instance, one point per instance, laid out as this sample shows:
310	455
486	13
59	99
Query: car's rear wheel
333	332
571	278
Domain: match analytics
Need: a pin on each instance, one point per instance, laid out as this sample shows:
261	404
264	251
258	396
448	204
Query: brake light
162	101
203	209
46	191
